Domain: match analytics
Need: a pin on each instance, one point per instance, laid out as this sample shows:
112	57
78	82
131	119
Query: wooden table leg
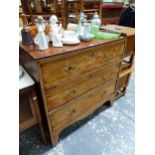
38	115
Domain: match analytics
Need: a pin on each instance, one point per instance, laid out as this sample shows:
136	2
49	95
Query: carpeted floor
110	131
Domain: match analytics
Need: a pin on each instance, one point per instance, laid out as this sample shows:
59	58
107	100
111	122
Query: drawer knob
72	92
104	78
69	68
90	76
72	112
108	56
90	95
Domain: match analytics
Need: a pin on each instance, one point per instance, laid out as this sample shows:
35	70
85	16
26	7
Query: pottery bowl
86	37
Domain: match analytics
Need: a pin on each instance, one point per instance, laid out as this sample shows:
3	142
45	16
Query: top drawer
85	61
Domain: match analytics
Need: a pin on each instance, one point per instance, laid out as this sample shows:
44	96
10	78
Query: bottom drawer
80	107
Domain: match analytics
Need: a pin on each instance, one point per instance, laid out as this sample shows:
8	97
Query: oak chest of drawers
74	80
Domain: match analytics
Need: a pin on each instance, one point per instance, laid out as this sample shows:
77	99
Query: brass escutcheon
69	68
72	112
72	92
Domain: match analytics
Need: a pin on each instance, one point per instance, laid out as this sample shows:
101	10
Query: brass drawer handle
72	92
72	112
90	95
108	56
69	68
90	76
104	78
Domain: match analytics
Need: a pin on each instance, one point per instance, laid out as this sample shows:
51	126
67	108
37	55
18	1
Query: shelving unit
74	7
68	10
37	7
110	13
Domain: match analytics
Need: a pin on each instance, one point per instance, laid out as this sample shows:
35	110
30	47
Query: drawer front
87	60
81	107
66	92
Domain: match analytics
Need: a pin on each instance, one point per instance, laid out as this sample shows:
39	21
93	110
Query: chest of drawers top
35	54
128	31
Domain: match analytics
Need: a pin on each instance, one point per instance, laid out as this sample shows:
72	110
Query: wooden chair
58	8
29	109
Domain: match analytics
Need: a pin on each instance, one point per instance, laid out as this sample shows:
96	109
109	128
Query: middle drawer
65	92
